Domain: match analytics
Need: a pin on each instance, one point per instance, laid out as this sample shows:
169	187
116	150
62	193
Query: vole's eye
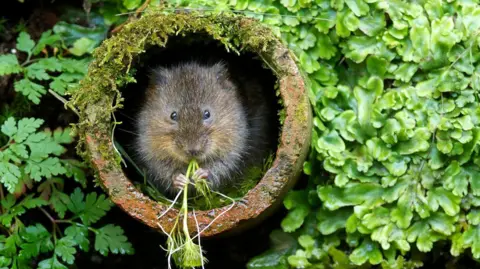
206	115
174	116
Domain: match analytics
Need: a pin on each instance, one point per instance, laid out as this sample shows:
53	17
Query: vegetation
36	167
181	246
394	165
394	87
30	159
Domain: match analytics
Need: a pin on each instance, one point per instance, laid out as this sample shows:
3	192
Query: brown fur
234	136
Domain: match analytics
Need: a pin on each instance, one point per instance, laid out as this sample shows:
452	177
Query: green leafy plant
31	156
394	88
180	244
118	11
41	74
42	223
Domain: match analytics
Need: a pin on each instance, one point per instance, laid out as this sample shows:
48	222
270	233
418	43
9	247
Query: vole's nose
193	152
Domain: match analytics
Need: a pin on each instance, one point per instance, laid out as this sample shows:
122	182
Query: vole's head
192	111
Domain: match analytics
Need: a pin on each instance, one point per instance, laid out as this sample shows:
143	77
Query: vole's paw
179	181
200	174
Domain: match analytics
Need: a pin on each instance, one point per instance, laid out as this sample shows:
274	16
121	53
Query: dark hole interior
202	49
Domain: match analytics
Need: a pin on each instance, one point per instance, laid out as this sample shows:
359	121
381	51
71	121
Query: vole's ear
221	71
159	76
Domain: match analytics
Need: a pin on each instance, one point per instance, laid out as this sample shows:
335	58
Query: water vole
199	111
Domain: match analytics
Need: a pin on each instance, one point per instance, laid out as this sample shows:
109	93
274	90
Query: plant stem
54	232
55	222
137	12
185	200
115	122
64	101
142	7
77	224
185	211
2	197
28	61
47	214
6	145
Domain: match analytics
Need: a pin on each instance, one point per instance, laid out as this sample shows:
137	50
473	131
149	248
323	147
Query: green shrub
395	88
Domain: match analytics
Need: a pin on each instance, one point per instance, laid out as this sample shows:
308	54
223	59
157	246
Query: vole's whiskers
126	115
127	131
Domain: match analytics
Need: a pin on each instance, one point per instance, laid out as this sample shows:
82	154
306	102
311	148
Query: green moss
300	115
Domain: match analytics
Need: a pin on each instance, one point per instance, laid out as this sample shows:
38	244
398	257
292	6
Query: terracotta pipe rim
265	197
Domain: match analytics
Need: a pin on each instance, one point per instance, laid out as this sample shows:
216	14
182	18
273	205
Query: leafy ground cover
393	173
